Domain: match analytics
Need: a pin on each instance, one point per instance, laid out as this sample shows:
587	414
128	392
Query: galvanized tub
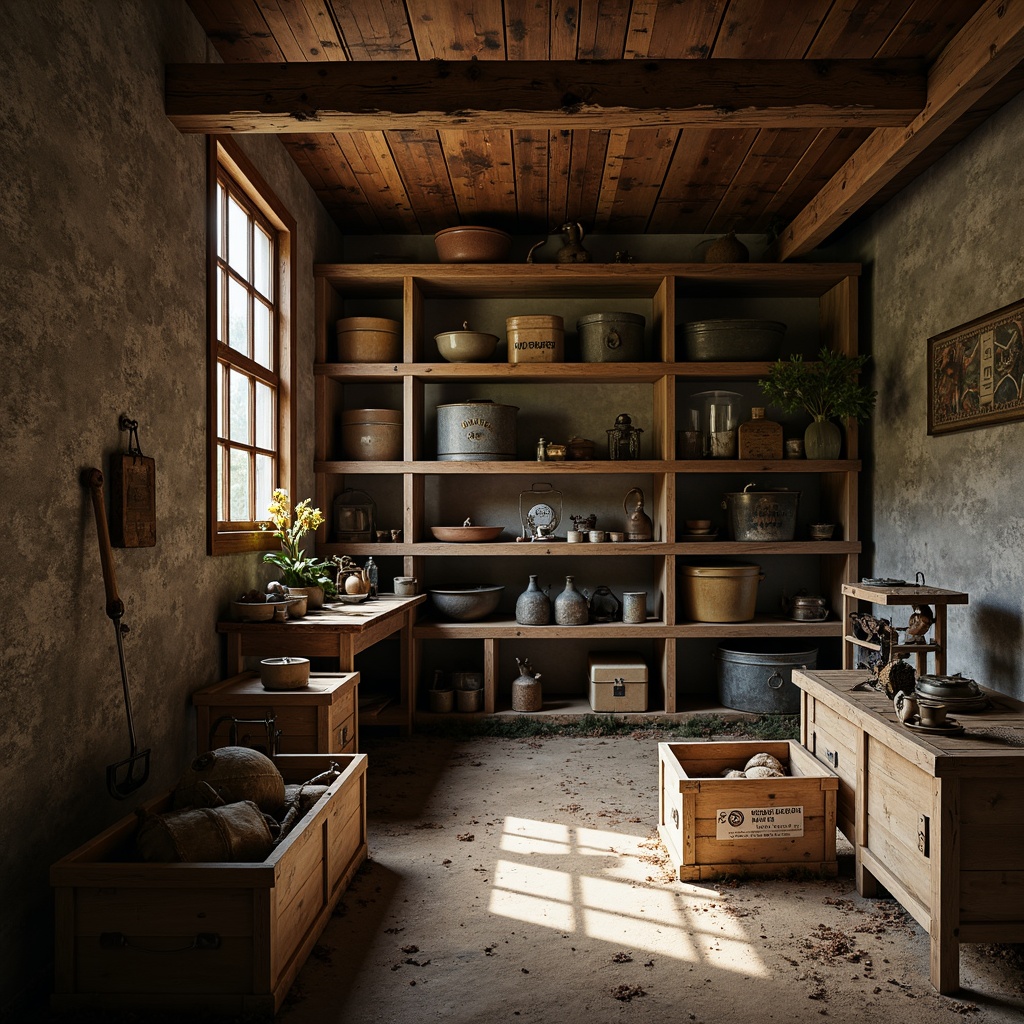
611	337
731	340
757	675
476	431
764	516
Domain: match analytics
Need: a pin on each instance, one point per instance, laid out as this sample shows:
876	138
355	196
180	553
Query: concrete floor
523	880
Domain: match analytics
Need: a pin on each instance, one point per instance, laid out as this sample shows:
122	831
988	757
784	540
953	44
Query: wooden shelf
410	491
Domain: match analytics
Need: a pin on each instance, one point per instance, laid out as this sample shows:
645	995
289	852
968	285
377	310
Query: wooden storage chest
713	826
224	937
934	818
320	718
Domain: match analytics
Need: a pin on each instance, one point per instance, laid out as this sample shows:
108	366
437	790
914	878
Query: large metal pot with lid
955	691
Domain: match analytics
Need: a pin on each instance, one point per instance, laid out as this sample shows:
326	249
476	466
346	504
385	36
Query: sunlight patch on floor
612	901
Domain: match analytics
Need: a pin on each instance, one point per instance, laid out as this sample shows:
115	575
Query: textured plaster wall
103	312
945	251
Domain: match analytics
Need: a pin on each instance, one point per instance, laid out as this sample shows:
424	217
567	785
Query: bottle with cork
760	438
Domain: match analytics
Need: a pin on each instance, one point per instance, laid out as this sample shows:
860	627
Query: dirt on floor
522	879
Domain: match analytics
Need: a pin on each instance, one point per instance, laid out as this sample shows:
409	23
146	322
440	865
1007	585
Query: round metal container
611	337
764	516
731	340
371	435
719	593
476	431
757	675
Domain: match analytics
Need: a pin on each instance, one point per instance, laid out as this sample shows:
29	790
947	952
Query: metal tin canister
476	431
611	337
761	515
535	339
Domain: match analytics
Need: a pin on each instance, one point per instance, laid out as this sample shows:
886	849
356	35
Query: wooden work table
934	818
340	632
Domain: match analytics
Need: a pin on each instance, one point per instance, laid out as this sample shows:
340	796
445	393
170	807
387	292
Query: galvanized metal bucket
757	675
611	337
764	516
476	431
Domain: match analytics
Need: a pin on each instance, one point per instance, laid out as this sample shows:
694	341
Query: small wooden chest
224	937
713	826
321	718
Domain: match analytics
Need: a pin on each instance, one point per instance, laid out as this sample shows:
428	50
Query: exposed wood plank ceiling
795	150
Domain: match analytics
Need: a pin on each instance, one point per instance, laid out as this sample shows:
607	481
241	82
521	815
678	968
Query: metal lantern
355	517
624	439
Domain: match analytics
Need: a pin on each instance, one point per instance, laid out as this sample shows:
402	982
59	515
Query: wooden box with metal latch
714	827
210	937
617	681
321	718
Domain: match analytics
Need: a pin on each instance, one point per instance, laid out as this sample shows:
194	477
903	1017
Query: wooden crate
222	937
713	826
321	718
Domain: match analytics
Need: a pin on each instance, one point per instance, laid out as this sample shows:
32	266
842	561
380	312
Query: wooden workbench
335	631
935	819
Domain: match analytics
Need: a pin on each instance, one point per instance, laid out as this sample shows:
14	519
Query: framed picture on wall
976	372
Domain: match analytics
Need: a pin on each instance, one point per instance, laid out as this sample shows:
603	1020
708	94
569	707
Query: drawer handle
118	940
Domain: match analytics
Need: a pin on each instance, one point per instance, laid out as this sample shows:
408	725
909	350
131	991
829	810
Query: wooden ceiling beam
988	47
352	96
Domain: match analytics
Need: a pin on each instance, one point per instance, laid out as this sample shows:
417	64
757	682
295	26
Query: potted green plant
299	571
829	387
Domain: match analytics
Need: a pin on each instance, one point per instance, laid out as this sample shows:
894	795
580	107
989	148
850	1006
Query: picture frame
976	372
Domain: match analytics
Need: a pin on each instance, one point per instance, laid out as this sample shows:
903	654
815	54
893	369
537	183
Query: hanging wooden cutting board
133	501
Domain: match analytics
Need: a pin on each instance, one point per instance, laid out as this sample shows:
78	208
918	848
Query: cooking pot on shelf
804	607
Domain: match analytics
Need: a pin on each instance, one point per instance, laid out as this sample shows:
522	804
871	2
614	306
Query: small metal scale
540	511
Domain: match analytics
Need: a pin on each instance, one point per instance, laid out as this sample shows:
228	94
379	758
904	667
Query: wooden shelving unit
820	299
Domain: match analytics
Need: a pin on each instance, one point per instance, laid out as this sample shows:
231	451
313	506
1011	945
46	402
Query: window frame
224	155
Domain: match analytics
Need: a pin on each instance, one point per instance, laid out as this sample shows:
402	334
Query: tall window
251	351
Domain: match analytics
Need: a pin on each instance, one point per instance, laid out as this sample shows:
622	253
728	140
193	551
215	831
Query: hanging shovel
123	777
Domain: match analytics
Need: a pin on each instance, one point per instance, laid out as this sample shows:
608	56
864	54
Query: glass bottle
760	438
372	575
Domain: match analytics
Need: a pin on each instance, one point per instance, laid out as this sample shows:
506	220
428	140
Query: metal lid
596	318
947	686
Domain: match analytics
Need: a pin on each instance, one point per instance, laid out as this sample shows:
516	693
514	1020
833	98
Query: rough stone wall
943	252
102	274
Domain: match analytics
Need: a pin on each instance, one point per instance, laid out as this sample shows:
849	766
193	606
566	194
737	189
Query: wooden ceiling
779	117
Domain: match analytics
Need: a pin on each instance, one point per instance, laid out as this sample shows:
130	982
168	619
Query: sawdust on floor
523	880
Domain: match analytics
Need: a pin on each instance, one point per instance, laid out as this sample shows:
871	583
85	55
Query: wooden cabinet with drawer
321	718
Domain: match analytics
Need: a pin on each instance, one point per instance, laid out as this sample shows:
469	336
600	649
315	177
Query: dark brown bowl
472	245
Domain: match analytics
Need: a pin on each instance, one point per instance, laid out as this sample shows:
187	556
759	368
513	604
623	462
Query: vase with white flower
300	572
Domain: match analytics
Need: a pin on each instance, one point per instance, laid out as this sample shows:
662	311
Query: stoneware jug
533	606
571	607
572	251
526	692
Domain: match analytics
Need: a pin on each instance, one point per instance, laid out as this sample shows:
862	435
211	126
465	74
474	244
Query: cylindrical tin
611	337
476	431
719	593
731	340
535	339
757	675
764	516
371	435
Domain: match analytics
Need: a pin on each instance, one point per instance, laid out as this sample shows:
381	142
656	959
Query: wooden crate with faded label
714	827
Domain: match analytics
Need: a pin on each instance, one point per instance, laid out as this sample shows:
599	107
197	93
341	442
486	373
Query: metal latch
832	756
619	688
675	816
923	838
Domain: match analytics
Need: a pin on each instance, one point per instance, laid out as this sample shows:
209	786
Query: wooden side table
321	718
933	817
903	595
338	632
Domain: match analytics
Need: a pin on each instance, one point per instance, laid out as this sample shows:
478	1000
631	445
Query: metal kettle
638	523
